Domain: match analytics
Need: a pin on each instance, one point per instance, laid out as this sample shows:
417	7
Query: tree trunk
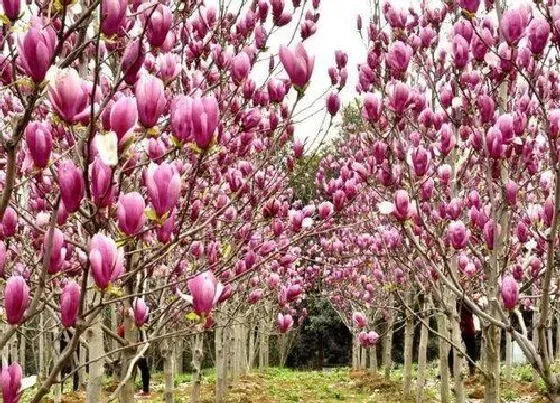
363	358
22	348
408	345
458	355
387	346
197	350
178	346
221	364
168	372
558	337
263	344
126	394
96	351
282	349
251	347
492	358
41	374
443	352
422	352
508	356
373	359
355	354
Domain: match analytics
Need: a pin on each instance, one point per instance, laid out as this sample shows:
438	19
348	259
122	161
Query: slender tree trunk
168	372
197	351
221	366
96	351
282	349
242	341
263	344
408	345
42	374
508	356
422	351
387	346
550	343
355	354
492	358
373	358
558	337
251	347
178	346
363	358
57	388
22	348
126	394
443	352
458	356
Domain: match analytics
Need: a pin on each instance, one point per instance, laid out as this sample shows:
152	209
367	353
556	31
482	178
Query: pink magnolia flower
205	118
58	252
240	67
106	260
470	5
141	311
70	96
398	94
113	16
71	183
538	32
205	291
131	213
11	9
36	49
298	64
371	109
158	23
510	292
402	204
398	56
164	187
285	322
333	103
9	222
458	234
359	320
16	299
150	100
102	188
123	116
39	142
10	381
70	304
460	51
513	23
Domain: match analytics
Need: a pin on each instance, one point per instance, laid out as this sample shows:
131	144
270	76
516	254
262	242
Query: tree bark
458	355
221	365
96	351
126	394
492	358
373	359
558	337
408	344
422	351
178	346
388	345
251	347
355	354
508	356
168	372
197	351
443	352
263	344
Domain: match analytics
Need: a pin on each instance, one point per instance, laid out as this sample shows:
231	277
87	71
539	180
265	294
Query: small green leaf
193	317
151	214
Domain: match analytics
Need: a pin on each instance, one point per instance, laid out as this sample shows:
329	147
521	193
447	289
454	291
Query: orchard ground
329	385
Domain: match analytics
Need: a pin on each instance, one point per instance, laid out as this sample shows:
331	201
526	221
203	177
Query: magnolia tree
456	157
145	183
